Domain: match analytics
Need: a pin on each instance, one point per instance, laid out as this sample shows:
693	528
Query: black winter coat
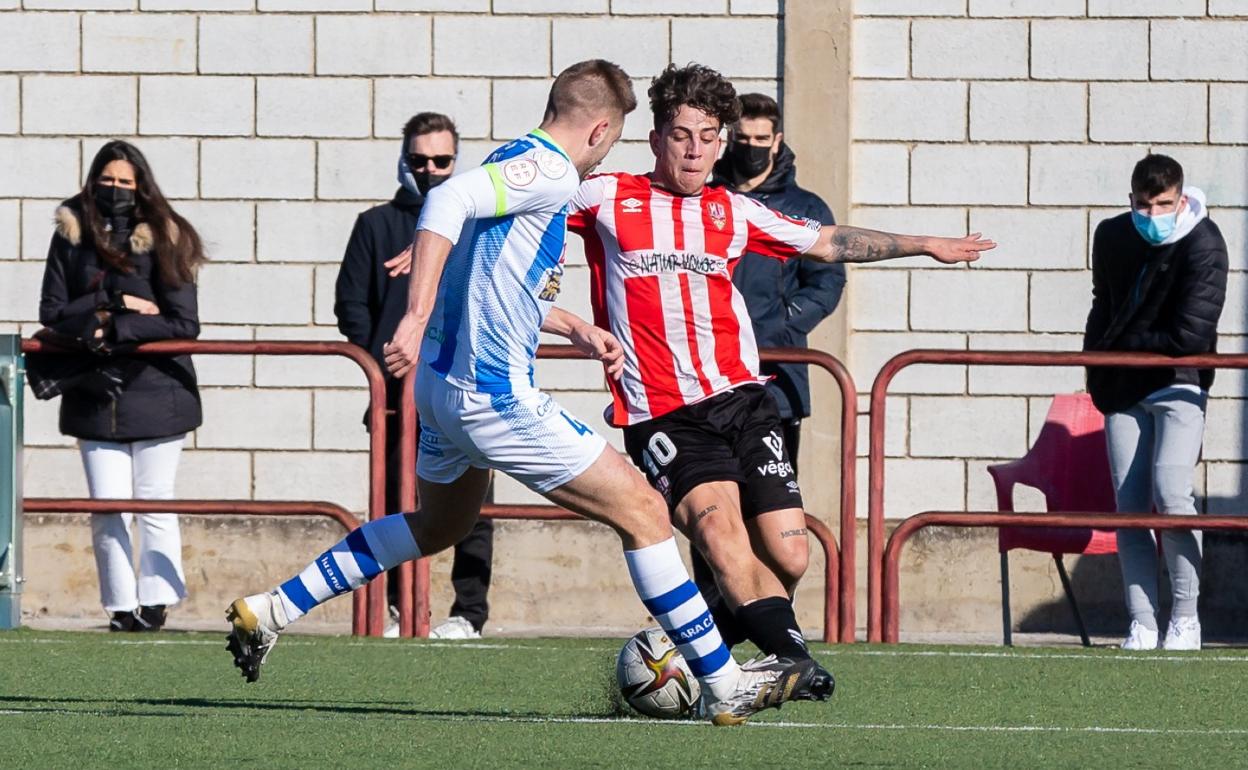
1153	299
367	302
162	398
788	299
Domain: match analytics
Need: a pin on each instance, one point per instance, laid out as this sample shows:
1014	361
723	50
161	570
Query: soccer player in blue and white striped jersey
487	263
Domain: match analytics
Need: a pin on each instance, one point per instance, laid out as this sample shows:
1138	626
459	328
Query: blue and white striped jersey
502	276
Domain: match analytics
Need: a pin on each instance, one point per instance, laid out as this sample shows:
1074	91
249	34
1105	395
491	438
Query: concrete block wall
1023	120
271	124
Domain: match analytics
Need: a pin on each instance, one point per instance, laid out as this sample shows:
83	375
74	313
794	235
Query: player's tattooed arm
839	243
786	534
598	344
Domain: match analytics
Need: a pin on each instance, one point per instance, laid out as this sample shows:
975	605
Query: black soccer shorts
732	436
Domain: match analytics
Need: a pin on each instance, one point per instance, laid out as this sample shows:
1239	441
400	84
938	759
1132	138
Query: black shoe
151	618
123	621
814	682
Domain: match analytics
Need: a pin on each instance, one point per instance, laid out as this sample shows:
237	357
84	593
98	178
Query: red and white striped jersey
661	281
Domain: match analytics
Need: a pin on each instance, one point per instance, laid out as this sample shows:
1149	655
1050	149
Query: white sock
664	586
356	559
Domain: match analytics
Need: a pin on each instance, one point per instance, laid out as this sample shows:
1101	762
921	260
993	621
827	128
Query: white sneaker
1140	638
392	628
257	620
455	627
1183	634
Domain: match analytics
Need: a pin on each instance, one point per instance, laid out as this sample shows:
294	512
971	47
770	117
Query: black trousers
703	575
474	555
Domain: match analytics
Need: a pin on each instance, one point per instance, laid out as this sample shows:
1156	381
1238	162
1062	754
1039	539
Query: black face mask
426	181
113	201
748	160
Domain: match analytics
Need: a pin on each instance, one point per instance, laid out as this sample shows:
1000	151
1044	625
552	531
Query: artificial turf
86	700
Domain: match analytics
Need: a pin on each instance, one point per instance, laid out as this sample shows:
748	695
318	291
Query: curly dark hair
694	86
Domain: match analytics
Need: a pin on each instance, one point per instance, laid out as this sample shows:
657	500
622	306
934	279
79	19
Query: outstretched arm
855	244
598	344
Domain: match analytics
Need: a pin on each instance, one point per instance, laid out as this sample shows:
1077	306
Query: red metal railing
875	458
375	595
348	521
892	553
839	569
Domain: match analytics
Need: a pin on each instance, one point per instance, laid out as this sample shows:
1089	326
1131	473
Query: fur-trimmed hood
69	226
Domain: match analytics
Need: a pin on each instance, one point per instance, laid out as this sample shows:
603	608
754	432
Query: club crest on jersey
630	205
719	217
550	288
519	172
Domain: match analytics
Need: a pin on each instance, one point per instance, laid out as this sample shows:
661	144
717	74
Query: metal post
12	385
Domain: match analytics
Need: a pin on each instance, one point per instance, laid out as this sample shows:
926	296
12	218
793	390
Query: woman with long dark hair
121	270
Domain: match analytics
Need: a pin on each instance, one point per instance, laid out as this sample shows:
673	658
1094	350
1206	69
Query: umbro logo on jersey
631	205
775	444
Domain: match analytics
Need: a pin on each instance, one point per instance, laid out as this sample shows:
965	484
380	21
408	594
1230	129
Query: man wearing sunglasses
369	303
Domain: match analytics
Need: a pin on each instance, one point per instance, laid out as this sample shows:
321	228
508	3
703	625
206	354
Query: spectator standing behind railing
787	299
121	270
1158	285
369	302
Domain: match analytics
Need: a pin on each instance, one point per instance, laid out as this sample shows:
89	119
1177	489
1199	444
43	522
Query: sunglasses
418	161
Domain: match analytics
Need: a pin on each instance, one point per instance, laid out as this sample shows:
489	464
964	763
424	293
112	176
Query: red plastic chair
1069	464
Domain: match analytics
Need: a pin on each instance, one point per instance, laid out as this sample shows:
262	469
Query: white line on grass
608	721
1110	656
1211	731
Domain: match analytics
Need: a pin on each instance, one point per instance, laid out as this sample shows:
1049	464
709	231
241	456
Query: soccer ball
654	677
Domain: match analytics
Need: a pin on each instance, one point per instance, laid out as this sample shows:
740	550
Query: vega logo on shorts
778	466
776	444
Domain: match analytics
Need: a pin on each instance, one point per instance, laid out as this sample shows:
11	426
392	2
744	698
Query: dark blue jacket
786	299
367	302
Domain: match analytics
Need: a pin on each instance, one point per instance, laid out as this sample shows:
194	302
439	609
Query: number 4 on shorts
580	427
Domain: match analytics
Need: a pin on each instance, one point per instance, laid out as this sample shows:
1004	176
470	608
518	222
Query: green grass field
86	700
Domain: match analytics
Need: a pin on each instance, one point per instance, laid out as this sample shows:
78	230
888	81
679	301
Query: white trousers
143	470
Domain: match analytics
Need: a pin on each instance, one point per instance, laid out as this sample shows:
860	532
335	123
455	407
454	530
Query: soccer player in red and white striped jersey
661	249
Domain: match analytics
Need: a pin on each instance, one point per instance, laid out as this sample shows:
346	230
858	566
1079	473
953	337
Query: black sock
725	620
771	624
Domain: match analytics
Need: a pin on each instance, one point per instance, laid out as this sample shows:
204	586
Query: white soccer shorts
526	435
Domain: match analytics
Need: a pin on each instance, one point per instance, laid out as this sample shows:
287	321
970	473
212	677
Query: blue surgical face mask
1154	229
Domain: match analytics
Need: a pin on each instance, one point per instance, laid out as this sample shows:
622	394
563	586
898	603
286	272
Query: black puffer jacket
1154	299
786	300
162	399
367	302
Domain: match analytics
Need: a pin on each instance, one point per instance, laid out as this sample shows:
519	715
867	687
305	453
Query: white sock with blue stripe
353	561
664	586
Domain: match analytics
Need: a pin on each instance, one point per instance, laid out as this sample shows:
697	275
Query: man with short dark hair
661	248
486	268
1158	286
369	302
